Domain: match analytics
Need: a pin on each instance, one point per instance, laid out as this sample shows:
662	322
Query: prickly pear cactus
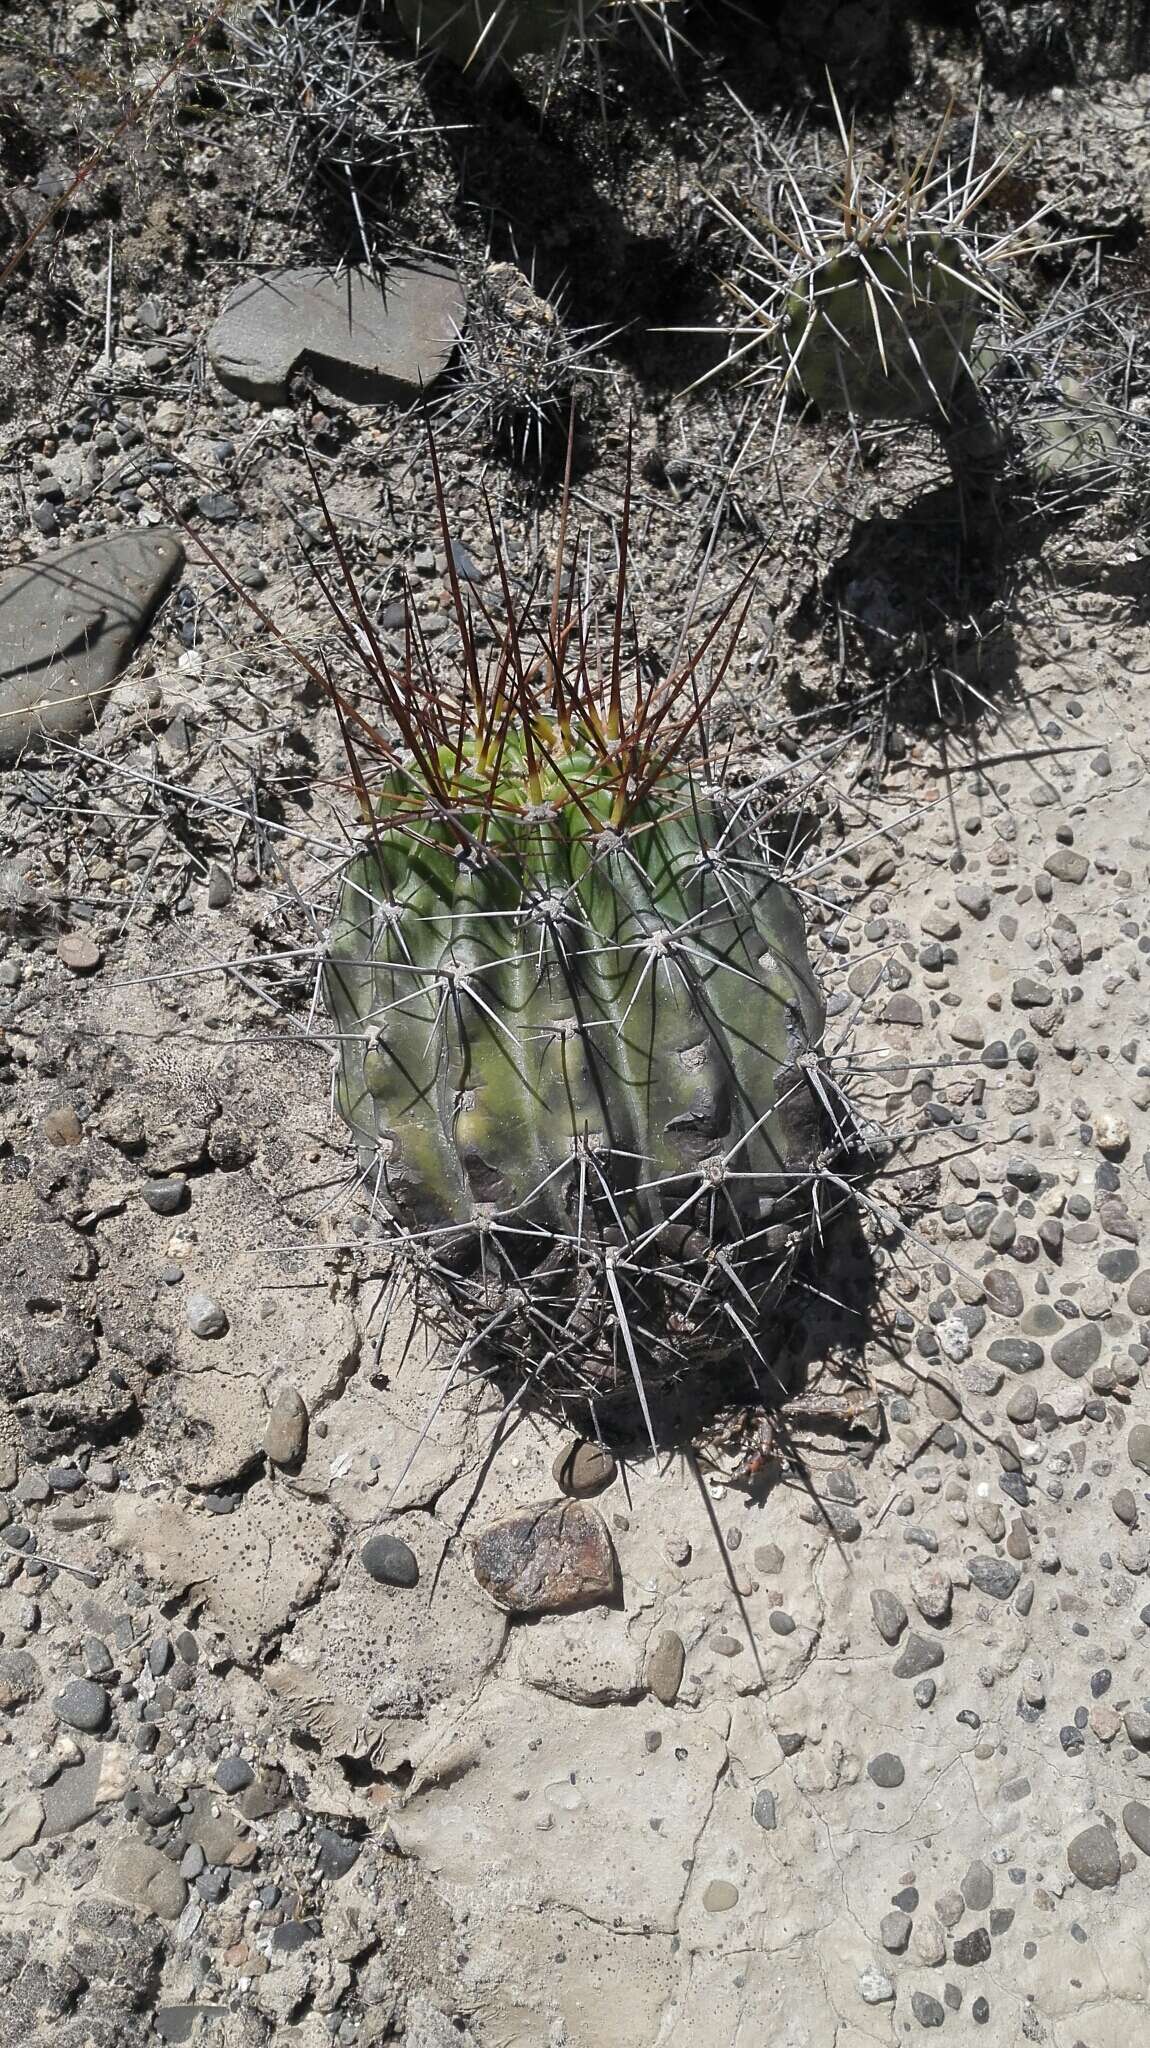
576	1048
475	35
883	329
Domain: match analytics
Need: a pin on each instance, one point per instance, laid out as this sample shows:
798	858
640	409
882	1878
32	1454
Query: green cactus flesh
883	330
475	34
573	1053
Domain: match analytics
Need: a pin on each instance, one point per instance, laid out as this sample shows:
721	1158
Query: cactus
884	332
578	1028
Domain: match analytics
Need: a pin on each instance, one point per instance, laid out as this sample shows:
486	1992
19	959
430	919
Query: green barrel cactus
882	329
577	1030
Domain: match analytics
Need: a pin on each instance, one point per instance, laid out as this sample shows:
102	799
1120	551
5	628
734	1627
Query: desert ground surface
850	1738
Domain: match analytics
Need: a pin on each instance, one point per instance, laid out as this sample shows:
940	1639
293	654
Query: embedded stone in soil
70	622
547	1560
360	340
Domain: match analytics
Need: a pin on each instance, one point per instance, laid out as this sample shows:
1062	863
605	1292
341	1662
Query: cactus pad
883	330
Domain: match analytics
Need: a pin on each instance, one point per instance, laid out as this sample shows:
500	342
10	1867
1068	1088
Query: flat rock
20	1679
359	341
144	1877
70	622
547	1560
20	1825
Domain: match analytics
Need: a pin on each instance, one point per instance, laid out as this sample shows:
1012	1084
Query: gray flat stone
360	342
68	624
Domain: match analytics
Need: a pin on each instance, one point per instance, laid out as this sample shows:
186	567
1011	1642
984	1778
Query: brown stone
665	1667
547	1560
79	953
582	1469
285	1438
63	1126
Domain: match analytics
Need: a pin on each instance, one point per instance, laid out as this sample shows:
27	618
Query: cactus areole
572	1052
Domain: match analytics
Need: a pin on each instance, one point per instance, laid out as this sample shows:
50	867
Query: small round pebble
886	1770
1136	1821
782	1624
927	2010
389	1561
874	1986
234	1774
720	1896
83	1705
205	1317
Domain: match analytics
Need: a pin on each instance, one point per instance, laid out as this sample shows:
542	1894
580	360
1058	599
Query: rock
143	1877
972	1948
1077	1349
234	1774
20	1679
927	2010
79	953
1137	1726
977	1887
764	1812
720	1896
928	1942
584	1468
360	342
205	1316
1138	1446
1138	1293
165	1197
665	1668
285	1438
995	1576
874	1986
1093	1857
70	622
890	1615
886	1770
63	1126
894	1932
1003	1292
20	1826
83	1704
1136	1821
547	1560
931	1590
389	1561
1028	994
336	1854
1111	1132
1066	865
918	1655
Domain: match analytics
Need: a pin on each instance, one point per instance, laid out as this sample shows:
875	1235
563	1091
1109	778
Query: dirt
860	1747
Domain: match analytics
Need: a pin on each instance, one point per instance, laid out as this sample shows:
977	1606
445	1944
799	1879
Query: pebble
205	1316
389	1561
1077	1350
927	2010
978	1886
1138	1293
894	1931
890	1616
20	1679
83	1705
144	1877
765	1809
547	1560
234	1774
665	1669
79	953
886	1770
1136	1821
918	1655
1138	1446
1017	1354
63	1126
995	1576
1093	1857
874	1986
584	1468
970	1949
719	1896
165	1197
285	1434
